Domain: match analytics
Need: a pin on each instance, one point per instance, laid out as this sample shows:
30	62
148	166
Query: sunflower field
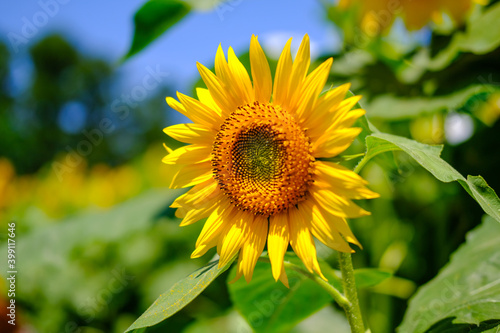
250	166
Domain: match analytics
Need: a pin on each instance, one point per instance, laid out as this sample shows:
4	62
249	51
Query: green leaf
180	295
384	107
466	289
485	195
429	157
369	277
269	306
153	19
447	326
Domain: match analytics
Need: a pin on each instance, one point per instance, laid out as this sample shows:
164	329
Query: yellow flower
375	16
254	158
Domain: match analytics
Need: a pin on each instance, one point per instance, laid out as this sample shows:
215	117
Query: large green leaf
269	306
410	107
429	157
153	19
180	295
466	290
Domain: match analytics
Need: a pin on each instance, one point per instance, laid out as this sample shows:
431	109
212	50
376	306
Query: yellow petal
241	80
188	175
253	246
199	112
283	278
197	195
322	229
218	90
342	181
223	72
215	223
312	87
239	269
169	150
298	74
277	242
190	133
302	241
203	248
332	144
190	154
324	112
335	204
282	76
205	97
261	73
233	236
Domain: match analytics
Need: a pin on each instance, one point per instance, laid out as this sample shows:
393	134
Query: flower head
253	156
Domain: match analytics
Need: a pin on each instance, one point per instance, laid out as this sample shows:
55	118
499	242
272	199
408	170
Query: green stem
353	312
337	296
349	302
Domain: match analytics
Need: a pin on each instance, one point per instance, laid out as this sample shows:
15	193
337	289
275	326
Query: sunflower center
262	159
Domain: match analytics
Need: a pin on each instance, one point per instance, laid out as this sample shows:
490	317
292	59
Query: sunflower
375	16
254	157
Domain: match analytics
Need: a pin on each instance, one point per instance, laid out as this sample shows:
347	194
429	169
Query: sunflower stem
353	312
331	290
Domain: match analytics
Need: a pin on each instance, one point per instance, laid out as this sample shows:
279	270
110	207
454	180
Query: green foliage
429	157
370	277
80	252
180	295
153	19
269	306
411	107
478	38
466	289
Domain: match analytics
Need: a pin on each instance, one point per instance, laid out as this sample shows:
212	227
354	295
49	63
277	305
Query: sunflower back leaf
429	157
465	295
180	295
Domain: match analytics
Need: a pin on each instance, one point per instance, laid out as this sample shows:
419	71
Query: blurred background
81	147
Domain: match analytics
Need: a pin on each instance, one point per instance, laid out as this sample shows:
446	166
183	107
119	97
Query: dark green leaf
153	19
447	326
269	306
429	157
467	288
180	295
485	196
369	277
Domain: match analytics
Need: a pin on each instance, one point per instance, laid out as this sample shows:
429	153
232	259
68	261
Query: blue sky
105	29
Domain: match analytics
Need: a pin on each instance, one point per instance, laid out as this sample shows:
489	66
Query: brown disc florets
262	159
